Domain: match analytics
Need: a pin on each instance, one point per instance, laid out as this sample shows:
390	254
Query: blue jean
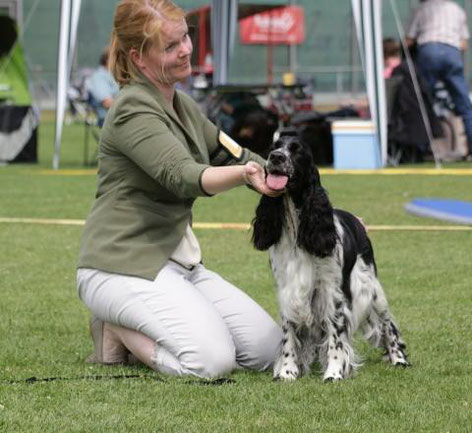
442	62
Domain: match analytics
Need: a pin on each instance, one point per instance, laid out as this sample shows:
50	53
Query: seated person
392	56
102	89
406	126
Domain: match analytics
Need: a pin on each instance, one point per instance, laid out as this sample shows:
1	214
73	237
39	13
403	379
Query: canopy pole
62	68
367	15
74	24
224	15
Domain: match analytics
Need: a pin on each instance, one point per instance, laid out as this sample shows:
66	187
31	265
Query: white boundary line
65	222
323	171
240	226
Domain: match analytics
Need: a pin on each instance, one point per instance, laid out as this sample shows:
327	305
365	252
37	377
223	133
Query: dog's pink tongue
276	182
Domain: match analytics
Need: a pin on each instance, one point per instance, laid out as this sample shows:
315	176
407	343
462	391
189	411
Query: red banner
284	26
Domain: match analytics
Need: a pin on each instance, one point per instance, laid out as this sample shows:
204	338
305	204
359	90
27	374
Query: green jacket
150	165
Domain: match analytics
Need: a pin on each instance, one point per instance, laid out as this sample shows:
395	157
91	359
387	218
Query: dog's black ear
316	230
268	222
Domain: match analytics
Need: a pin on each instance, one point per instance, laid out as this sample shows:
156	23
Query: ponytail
118	63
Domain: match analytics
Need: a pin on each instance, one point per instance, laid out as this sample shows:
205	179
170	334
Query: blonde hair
137	24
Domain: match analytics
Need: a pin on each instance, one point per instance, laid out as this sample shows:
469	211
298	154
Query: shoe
108	349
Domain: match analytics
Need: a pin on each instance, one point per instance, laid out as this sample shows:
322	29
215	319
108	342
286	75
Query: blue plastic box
355	144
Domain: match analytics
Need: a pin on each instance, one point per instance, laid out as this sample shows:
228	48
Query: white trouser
203	325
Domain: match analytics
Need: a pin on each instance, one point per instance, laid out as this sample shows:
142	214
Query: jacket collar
176	113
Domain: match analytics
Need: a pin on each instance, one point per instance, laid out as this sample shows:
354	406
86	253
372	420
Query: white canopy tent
368	19
223	29
70	10
367	14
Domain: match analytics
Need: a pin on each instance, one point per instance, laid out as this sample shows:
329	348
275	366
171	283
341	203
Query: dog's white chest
295	272
301	276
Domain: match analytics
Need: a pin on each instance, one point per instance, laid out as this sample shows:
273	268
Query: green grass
43	326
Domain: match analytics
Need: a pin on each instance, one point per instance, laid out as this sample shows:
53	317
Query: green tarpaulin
13	78
13	75
18	119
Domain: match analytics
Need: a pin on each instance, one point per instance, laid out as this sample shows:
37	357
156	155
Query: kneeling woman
140	270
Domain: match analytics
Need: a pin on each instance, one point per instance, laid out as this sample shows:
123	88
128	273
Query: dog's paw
287	375
396	358
332	377
401	363
286	370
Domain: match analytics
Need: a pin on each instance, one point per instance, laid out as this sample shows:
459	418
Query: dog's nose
277	157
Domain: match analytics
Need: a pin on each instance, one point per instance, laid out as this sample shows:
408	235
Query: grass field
43	327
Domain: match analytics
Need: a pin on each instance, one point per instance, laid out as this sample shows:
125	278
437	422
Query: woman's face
170	63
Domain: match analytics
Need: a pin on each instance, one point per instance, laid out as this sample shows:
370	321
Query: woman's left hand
255	176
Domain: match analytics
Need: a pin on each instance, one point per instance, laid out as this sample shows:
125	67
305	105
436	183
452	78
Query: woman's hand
218	179
254	175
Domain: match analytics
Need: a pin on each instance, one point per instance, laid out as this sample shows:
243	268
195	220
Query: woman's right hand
255	176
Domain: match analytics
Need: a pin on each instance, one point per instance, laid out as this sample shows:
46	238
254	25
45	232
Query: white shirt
188	252
439	21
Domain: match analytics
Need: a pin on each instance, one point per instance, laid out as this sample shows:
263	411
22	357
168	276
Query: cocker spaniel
324	268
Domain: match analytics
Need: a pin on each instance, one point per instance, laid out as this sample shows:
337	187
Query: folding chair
93	123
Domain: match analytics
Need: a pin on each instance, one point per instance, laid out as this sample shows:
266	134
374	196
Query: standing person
439	27
140	271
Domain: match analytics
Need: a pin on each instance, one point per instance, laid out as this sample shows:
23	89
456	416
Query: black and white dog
325	272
